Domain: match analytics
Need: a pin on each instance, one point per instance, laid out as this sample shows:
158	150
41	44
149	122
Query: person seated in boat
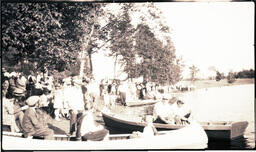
9	114
32	126
88	128
163	112
19	109
182	113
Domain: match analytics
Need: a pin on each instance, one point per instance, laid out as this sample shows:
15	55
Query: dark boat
214	130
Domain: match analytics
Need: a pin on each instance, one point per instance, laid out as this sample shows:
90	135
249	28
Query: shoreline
204	84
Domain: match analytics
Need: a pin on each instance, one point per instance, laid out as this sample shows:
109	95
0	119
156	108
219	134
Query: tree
245	74
49	35
31	32
193	72
231	77
218	76
159	63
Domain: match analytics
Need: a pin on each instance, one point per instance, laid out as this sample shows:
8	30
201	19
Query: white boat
190	137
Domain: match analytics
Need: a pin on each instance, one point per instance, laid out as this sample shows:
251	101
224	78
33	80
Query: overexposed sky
219	34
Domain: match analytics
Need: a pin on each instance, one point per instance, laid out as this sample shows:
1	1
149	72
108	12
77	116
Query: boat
141	103
190	137
221	130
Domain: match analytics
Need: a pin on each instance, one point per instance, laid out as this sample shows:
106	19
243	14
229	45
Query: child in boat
150	129
88	128
32	126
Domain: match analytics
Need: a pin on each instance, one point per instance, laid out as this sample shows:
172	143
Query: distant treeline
244	74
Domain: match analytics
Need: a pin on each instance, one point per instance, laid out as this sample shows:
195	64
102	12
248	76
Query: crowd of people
25	96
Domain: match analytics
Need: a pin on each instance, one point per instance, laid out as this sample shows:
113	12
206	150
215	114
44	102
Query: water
229	103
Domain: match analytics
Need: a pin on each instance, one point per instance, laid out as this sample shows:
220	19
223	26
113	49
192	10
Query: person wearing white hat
163	112
31	124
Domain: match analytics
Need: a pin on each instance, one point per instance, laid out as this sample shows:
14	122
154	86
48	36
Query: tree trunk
82	65
115	67
90	60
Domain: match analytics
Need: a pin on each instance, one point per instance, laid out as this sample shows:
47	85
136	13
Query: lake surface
228	103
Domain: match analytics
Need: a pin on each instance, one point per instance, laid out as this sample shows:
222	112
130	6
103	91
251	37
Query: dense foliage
219	76
231	77
57	36
245	74
48	35
158	60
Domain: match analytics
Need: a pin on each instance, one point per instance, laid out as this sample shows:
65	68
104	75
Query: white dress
58	99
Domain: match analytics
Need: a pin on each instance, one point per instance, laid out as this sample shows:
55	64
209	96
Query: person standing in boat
88	128
32	126
162	112
73	95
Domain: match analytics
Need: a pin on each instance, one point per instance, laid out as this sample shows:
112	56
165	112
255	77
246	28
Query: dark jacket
31	121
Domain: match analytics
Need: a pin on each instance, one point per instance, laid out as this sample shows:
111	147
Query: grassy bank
201	84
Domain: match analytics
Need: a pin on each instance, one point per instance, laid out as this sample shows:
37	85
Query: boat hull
214	130
190	137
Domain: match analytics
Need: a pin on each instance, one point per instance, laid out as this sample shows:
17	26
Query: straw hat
13	74
31	101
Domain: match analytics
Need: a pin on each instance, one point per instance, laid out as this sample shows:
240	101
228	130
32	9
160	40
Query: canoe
214	130
190	137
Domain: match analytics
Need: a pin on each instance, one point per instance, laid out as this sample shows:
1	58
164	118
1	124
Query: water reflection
241	143
230	103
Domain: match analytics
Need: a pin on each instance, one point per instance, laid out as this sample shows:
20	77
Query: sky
212	34
205	34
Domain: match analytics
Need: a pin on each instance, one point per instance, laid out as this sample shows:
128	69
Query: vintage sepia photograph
127	76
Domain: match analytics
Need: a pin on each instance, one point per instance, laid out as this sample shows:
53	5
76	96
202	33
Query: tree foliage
245	74
31	32
57	35
219	76
48	34
159	63
231	77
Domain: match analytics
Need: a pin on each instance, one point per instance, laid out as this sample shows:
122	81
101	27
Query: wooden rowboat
214	130
190	137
